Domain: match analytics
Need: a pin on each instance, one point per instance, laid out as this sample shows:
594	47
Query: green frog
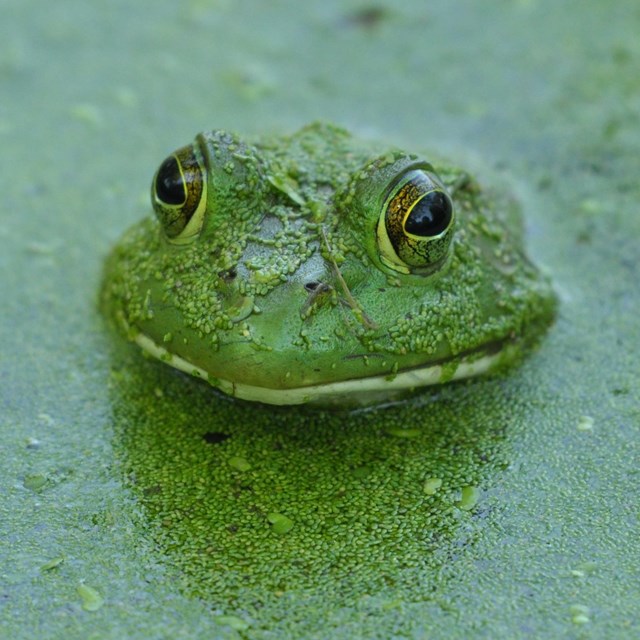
321	268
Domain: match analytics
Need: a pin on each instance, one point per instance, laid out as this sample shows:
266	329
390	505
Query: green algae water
139	503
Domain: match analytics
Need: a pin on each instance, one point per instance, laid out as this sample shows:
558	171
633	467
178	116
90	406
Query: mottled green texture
93	96
353	532
288	217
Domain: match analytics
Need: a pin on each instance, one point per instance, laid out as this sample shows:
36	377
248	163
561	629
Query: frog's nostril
229	275
311	286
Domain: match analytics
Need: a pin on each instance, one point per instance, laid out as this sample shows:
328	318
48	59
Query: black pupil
431	216
169	184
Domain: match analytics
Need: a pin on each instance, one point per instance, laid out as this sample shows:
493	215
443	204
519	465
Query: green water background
135	503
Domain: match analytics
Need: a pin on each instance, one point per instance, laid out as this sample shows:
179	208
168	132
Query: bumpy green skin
284	212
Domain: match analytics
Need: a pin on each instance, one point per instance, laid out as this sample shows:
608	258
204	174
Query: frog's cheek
416	224
179	195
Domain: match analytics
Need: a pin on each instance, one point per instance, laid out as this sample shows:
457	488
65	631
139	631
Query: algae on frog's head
315	267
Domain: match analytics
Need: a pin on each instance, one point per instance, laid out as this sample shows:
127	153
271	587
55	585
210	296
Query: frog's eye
416	224
179	195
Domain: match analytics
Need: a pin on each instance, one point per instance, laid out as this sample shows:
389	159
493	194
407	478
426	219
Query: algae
121	468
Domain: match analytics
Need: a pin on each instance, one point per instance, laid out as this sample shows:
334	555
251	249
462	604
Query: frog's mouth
355	391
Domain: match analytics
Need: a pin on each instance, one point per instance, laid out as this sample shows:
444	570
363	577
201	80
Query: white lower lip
374	388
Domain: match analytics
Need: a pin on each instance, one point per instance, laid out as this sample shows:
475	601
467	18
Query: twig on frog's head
358	311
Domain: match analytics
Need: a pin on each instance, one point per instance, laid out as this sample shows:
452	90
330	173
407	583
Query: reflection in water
258	504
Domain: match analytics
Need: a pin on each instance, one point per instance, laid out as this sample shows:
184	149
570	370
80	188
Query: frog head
321	268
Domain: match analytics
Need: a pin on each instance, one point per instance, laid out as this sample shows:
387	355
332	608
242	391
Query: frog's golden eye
179	195
416	224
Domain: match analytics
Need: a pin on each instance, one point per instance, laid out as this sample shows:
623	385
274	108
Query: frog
323	268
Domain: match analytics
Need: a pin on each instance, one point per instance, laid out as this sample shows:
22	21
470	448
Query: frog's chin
353	392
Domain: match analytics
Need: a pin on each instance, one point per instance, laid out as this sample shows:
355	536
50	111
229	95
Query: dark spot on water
583	237
367	17
620	391
215	437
